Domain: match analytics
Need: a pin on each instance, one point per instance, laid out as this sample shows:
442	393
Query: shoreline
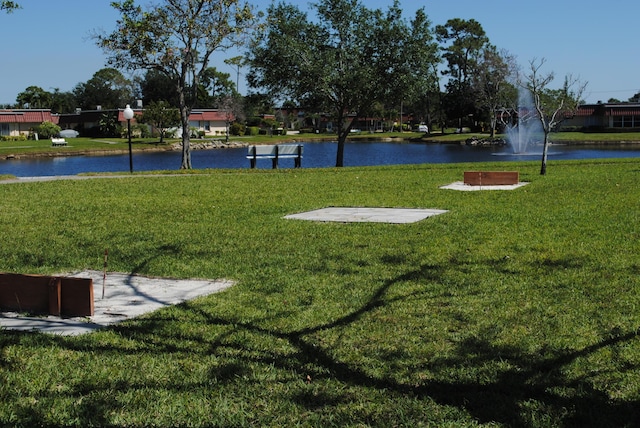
219	145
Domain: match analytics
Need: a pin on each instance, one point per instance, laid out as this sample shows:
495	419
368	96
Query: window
4	129
623	121
626	121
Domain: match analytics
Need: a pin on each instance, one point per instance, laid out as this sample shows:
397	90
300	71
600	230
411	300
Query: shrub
253	130
47	130
237	129
20	137
254	121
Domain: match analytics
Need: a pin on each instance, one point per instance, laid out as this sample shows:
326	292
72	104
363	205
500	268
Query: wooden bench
58	142
275	153
491	178
59	296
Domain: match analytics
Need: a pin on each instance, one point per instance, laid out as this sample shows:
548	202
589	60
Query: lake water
316	155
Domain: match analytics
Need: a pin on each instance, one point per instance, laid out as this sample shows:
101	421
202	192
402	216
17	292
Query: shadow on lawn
531	386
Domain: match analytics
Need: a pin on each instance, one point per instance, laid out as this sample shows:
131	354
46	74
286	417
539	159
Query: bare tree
552	106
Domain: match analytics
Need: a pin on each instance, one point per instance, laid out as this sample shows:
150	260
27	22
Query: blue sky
47	42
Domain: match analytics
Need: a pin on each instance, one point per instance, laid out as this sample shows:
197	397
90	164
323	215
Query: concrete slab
375	215
459	185
126	296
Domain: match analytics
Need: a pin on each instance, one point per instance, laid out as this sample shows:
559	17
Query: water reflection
316	155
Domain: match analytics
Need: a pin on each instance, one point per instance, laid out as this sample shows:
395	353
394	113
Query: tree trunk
545	146
186	142
342	137
494	123
343	133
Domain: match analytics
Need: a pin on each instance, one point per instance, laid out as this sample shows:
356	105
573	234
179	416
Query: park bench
491	178
275	153
58	142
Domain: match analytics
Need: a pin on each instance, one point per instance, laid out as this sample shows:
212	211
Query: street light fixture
128	114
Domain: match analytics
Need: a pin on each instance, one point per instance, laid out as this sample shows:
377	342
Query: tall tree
34	97
343	61
177	38
462	43
494	82
552	105
410	66
423	86
238	62
107	88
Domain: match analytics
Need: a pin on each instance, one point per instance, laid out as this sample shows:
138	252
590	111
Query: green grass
516	308
75	145
554	137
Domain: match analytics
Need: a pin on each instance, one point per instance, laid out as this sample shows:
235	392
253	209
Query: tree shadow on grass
524	388
529	387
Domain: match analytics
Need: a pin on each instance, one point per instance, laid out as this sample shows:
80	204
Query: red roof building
606	116
209	122
14	123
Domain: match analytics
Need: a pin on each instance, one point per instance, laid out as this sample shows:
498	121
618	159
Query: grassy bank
515	308
110	145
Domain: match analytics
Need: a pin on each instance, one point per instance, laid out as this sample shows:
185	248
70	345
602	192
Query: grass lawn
516	308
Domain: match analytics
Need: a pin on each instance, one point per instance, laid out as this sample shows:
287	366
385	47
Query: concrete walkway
81	177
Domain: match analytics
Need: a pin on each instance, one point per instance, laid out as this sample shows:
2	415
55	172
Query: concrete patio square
460	185
361	215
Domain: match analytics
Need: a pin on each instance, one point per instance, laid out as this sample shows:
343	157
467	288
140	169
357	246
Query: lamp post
128	114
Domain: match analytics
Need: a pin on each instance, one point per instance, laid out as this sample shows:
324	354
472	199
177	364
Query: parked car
69	133
422	128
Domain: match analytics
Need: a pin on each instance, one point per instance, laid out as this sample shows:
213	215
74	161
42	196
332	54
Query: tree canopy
9	6
107	88
343	61
34	97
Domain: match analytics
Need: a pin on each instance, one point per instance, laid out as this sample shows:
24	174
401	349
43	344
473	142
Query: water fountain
528	129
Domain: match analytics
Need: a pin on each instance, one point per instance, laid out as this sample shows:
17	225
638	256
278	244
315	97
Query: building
605	117
16	123
210	121
204	122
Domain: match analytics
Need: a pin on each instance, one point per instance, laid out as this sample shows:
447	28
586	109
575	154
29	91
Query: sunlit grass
515	308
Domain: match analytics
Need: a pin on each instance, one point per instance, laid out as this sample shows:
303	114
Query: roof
136	112
196	115
609	109
630	109
209	115
27	116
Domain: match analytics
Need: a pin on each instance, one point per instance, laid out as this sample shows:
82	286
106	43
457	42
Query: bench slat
275	152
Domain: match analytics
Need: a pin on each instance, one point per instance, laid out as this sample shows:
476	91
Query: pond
316	155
